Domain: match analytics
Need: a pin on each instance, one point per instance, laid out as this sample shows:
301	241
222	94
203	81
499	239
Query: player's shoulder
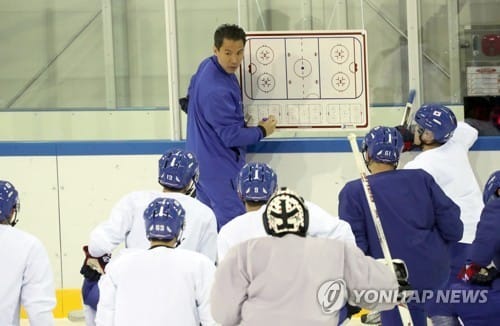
21	240
20	235
138	196
244	223
192	256
352	186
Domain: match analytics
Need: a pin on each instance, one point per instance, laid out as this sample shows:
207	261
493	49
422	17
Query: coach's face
230	55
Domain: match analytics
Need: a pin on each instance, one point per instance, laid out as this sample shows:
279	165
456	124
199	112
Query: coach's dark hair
229	31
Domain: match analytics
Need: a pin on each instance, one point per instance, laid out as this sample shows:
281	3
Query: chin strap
14	220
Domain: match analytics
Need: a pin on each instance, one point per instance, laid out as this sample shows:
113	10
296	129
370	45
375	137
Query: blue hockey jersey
418	219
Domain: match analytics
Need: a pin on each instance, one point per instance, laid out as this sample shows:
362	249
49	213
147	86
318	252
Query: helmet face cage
9	200
164	219
178	169
491	187
383	144
285	213
439	119
256	182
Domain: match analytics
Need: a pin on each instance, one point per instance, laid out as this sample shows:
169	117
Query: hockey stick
405	317
407	117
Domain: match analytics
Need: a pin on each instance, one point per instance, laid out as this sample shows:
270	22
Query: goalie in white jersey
27	277
162	285
177	174
289	278
256	183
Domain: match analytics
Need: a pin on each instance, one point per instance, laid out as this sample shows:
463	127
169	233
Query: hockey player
256	182
418	219
177	174
478	277
26	275
442	141
290	278
164	285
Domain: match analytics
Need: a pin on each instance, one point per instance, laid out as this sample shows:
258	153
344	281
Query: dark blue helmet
439	119
9	199
491	187
383	144
177	168
256	182
164	219
286	212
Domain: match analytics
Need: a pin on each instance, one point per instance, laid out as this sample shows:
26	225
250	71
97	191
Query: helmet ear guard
286	213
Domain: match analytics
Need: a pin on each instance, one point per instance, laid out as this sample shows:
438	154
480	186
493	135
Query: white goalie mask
285	213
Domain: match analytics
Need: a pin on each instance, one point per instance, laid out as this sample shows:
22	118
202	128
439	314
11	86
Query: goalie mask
9	200
256	182
383	144
285	213
491	188
164	219
178	169
437	118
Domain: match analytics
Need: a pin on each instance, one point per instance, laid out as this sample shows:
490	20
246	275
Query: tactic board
307	80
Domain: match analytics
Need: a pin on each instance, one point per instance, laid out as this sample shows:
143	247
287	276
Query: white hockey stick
407	117
405	316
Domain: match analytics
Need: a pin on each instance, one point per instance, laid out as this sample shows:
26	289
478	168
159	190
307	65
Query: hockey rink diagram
306	80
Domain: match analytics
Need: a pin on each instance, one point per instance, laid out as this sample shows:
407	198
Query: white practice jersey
449	165
250	225
126	223
158	286
26	279
295	281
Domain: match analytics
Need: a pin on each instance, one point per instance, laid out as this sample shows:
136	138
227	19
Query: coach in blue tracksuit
419	221
216	129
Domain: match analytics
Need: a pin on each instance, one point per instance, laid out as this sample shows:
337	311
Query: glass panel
139	48
436	36
51	54
196	23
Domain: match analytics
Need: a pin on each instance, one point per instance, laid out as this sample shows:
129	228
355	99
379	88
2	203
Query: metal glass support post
454	52
172	68
414	50
109	55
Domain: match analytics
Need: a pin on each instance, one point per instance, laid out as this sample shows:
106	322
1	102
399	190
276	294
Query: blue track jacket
217	135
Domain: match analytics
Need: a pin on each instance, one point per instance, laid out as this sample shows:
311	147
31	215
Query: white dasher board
306	79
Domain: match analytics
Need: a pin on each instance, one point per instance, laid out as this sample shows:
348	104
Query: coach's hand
268	125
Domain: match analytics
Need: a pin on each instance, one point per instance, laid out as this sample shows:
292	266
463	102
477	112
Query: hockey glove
183	102
352	310
401	272
407	138
476	274
93	267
